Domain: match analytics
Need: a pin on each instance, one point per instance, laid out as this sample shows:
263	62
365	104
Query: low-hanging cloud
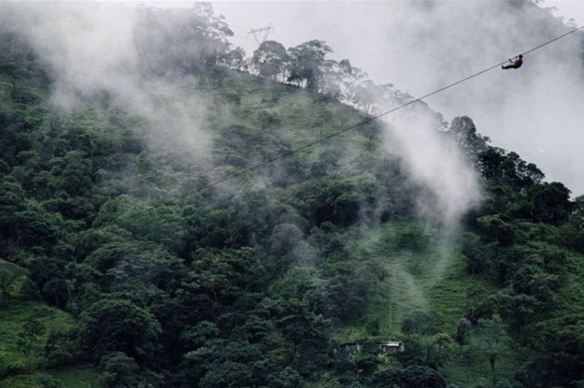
91	50
447	182
435	162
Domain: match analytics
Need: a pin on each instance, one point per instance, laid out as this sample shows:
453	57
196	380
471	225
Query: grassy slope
431	280
301	116
12	317
70	377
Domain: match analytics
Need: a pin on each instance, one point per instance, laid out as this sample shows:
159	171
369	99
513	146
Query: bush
421	322
413	237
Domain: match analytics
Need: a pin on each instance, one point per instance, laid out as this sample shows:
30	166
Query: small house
392	346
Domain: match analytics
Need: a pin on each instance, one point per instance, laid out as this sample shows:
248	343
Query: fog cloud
91	51
435	162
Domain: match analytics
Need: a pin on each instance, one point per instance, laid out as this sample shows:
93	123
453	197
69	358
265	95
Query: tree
497	229
531	279
188	41
72	173
286	243
217	228
415	376
235	59
24	221
348	292
413	237
339	201
577	216
550	203
56	292
474	251
494	336
124	265
442	341
491	162
286	378
341	80
8	284
60	347
224	363
421	351
270	59
421	322
118	371
112	325
306	63
196	336
560	357
462	329
216	282
303	329
157	223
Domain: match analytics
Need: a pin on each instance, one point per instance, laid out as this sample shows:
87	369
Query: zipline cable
377	116
552	40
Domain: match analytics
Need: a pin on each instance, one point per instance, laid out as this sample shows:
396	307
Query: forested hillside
124	263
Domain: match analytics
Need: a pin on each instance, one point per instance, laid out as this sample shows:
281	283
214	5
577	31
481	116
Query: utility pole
261	34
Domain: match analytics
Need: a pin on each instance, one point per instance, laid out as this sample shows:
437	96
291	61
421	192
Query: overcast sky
569	9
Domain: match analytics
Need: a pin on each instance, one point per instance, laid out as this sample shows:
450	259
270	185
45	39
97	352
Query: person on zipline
514	63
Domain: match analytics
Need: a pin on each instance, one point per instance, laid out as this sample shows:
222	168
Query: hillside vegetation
123	264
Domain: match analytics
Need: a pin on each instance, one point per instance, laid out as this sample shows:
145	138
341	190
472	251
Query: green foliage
160	224
69	377
495	335
413	376
119	370
216	228
476	253
496	229
412	237
307	60
196	43
421	351
12	282
27	330
253	283
119	326
340	202
270	58
32	381
421	322
560	343
29	340
462	328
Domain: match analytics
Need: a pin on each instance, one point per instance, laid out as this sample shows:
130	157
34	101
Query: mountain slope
121	266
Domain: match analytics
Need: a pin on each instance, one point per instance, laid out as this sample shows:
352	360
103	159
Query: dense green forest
123	264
